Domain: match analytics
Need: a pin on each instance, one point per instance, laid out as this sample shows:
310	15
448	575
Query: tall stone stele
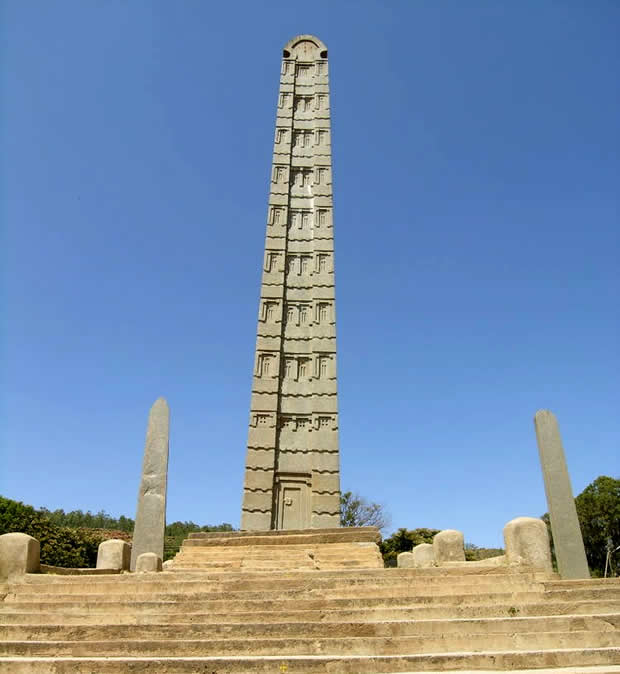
292	477
567	539
148	535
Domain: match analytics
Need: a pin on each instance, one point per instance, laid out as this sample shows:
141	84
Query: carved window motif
322	217
304	368
323	364
288	423
270	311
304	71
284	67
304	314
322	102
290	315
283	100
305	264
289	368
305	220
262	419
322	263
324	422
302	423
279	174
323	312
306	178
290	264
280	135
321	137
264	365
277	215
321	68
321	176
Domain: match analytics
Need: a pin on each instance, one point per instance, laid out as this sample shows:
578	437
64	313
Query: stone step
149	613
312	600
315	645
317	536
477	627
563	661
168	582
282	533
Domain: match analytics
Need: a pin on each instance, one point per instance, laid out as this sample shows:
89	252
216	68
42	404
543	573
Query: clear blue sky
476	171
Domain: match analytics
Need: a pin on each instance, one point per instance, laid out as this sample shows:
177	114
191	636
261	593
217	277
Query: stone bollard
404	560
148	562
423	555
114	554
527	542
449	546
167	565
19	554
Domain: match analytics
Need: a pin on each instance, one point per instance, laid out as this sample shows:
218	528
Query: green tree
356	511
598	510
403	540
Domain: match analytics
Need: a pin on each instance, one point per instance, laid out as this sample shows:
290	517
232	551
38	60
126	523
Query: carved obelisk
149	529
292	477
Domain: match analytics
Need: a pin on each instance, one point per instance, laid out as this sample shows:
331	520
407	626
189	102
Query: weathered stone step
151	613
477	627
564	661
270	601
158	582
282	533
285	538
316	645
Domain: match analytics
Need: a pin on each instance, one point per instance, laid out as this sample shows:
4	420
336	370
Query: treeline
72	539
77	519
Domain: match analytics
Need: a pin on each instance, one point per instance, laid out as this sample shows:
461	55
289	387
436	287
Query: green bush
60	546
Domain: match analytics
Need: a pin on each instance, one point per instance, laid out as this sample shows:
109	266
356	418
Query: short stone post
423	555
449	546
527	542
404	560
148	562
567	540
19	554
148	535
114	554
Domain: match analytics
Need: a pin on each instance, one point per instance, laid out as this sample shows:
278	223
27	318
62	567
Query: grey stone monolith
423	555
527	542
148	535
19	554
449	546
567	539
404	560
148	562
114	554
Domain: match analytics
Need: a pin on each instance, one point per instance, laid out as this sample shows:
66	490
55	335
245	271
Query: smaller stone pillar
114	554
449	546
19	554
404	560
527	542
148	534
423	555
567	540
148	562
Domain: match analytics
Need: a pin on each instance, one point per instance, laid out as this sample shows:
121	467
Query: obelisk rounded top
305	48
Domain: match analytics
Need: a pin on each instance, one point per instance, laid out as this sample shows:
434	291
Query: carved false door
293	510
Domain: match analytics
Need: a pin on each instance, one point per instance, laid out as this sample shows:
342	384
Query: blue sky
476	166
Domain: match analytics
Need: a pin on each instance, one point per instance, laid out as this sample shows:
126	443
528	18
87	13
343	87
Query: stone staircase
356	621
291	550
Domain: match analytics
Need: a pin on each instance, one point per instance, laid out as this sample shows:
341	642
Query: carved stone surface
148	535
423	555
114	554
527	542
19	554
448	546
292	477
148	562
567	539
